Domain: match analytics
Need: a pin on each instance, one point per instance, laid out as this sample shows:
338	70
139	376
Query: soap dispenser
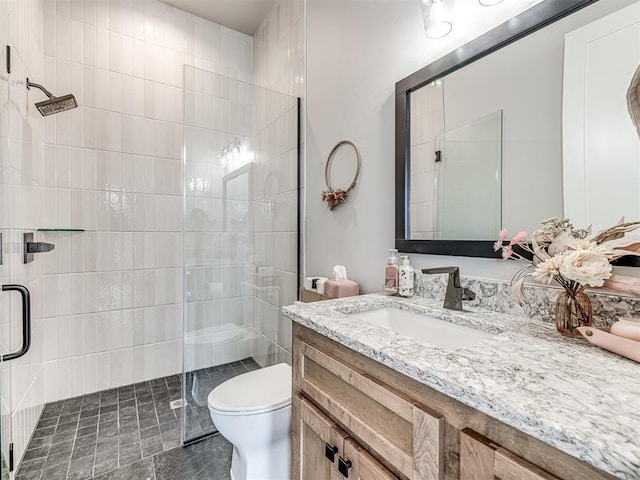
391	273
406	278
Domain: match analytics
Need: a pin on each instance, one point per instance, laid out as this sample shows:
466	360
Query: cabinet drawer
480	459
406	436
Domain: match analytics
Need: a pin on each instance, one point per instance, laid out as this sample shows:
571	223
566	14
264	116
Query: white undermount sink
423	328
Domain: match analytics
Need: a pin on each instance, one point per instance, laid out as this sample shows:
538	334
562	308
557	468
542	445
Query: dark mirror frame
531	20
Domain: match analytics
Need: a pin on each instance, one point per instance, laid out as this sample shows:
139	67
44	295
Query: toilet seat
252	393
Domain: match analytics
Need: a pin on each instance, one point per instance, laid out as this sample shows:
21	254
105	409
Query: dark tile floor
199	384
124	432
209	459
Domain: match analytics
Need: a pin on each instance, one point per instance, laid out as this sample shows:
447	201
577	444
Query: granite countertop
565	392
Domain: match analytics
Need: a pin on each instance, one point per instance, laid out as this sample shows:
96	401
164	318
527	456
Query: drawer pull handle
330	452
344	466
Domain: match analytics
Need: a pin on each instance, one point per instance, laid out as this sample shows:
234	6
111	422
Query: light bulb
436	23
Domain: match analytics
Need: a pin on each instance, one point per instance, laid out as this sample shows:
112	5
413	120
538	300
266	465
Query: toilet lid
260	390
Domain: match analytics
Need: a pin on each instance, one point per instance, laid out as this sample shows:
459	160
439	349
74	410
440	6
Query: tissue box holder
341	288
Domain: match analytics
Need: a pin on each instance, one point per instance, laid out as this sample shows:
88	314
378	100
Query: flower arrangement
334	197
572	257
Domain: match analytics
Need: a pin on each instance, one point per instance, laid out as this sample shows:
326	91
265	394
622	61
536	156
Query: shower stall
241	234
171	196
240	264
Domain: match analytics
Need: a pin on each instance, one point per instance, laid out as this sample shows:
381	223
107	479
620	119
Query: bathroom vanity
517	402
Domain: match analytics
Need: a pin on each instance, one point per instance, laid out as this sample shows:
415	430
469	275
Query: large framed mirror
479	134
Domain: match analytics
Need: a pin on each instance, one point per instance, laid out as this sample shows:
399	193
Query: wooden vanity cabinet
326	452
400	432
389	426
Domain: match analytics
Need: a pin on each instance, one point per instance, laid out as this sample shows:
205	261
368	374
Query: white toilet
253	412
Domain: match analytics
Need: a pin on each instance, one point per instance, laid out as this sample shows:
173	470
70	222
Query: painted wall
351	95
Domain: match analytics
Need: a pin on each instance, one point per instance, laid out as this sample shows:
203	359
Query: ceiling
241	15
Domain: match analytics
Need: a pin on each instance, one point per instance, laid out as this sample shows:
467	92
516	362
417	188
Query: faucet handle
468	294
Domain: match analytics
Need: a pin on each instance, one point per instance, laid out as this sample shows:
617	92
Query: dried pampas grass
633	99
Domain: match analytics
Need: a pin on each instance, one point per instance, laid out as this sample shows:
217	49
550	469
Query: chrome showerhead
54	104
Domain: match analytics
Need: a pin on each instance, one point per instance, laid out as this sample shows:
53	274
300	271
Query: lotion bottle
391	273
406	278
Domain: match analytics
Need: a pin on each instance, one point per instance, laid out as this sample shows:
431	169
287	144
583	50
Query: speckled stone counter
565	392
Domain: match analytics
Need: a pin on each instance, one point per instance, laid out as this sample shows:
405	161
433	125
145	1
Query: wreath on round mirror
336	196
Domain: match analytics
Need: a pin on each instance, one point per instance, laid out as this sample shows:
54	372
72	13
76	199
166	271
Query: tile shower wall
219	230
21	157
232	199
279	65
105	302
113	293
275	224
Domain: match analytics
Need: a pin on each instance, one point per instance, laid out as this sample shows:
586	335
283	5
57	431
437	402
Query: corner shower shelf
59	229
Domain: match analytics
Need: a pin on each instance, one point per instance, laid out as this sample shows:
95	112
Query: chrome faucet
455	293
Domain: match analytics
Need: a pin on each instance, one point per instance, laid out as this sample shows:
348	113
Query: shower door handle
26	320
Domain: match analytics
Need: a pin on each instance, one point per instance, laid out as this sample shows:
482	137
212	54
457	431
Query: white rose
547	270
587	267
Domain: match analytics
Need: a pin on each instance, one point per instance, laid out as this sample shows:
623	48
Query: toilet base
270	463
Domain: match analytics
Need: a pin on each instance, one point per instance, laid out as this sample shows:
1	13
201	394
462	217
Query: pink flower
503	234
497	245
507	252
520	236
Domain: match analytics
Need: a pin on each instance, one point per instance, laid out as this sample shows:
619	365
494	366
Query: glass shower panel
5	272
469	180
238	165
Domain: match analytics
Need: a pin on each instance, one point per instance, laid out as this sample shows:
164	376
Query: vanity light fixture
435	14
489	3
235	155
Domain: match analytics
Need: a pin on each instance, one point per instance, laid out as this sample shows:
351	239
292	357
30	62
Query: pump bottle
391	273
406	278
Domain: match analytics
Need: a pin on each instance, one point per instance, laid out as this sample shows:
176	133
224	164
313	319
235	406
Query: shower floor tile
132	432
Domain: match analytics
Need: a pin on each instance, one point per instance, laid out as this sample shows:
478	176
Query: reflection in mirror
469	176
601	146
522	79
455	189
237	195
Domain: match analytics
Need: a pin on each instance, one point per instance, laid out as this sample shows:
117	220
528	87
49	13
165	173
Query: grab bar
26	321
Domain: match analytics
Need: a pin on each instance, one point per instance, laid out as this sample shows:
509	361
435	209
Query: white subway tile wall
106	301
21	195
279	65
114	292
